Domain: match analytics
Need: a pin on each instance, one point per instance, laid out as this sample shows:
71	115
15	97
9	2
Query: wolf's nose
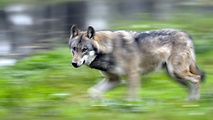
75	64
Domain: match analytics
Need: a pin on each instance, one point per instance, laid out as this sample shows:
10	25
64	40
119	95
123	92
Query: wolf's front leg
133	81
110	81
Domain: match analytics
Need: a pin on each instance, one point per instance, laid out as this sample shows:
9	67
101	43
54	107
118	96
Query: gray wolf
130	54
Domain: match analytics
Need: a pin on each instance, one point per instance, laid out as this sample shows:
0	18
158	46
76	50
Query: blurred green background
37	81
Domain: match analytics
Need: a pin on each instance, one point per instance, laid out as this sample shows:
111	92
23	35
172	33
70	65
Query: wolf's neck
102	62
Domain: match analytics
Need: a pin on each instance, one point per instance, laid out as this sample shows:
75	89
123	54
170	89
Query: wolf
131	54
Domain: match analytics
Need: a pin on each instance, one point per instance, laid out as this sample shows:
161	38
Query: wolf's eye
84	49
74	48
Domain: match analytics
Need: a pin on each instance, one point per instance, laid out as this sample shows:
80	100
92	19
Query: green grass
46	86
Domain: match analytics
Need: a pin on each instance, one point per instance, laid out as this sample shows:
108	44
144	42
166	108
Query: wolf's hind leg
183	82
189	80
192	88
192	82
183	75
110	81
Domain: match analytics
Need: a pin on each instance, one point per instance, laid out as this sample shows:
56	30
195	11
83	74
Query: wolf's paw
193	97
94	93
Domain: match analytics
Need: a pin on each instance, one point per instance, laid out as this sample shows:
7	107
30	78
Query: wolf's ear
90	32
74	31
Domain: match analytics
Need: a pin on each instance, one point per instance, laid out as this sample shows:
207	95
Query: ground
46	86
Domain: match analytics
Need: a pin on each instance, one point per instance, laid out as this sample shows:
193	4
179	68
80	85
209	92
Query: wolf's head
82	46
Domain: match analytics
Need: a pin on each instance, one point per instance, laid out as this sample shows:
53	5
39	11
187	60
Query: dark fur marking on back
153	34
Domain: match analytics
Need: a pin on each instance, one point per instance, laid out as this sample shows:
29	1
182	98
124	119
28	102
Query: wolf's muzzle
76	64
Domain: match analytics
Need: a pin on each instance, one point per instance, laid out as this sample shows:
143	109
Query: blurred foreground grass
46	86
